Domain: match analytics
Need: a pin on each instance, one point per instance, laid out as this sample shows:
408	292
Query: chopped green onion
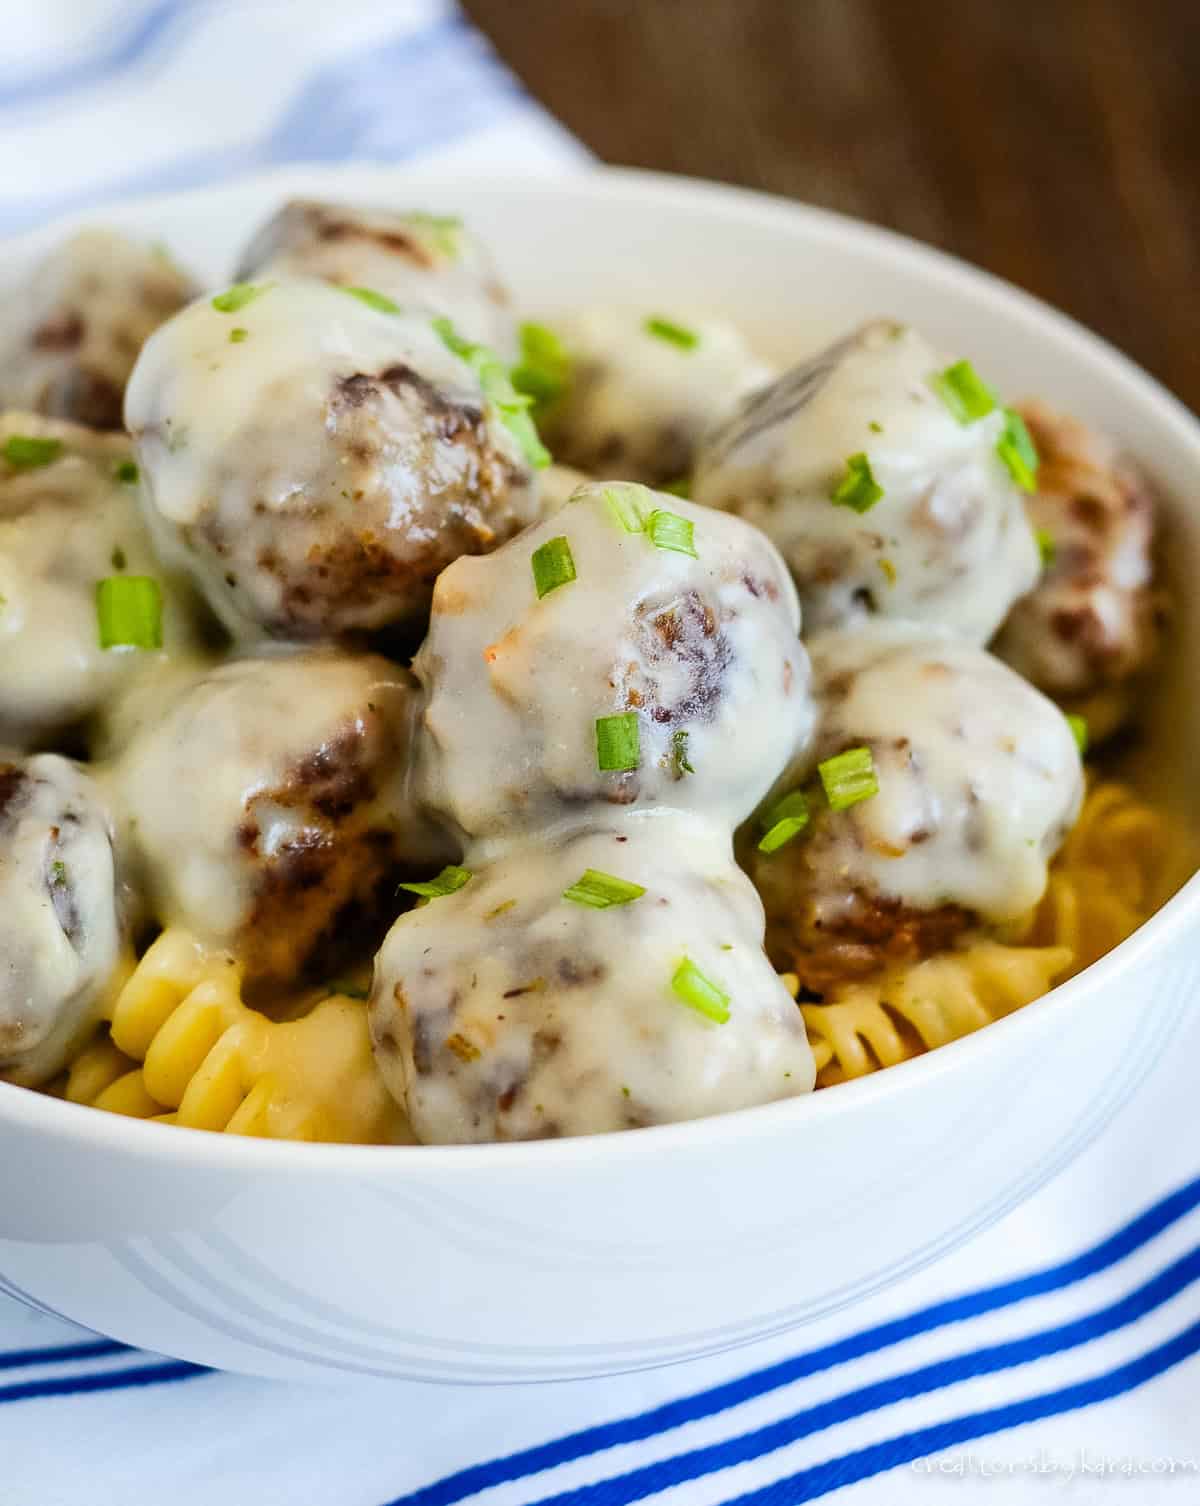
236	336
26	452
238	296
1047	548
544	369
679	754
449	881
626	503
127	472
58	873
963	391
857	488
674	334
373	300
680	487
443	229
875	428
600	891
618	742
511	405
553	566
1018	452
668	530
1079	731
129	612
784	821
848	778
700	993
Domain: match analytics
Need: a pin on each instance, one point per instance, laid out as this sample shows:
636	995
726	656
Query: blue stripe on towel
105	1380
1122	1243
20	1359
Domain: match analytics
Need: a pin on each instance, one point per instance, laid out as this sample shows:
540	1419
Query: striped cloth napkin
1053	1351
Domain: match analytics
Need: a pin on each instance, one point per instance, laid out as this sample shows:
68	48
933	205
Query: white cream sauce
64	527
637	404
61	928
947	543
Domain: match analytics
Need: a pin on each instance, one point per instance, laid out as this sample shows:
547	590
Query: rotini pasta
183	1046
1119	863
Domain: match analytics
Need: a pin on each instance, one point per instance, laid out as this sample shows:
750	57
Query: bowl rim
113	1132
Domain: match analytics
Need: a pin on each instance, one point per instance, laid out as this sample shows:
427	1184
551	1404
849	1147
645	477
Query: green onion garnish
1079	731
553	566
599	890
668	530
449	881
238	296
58	873
857	488
442	229
674	334
679	754
511	405
1047	548
784	821
129	612
544	368
1018	451
127	472
626	503
236	336
618	742
680	487
848	778
26	453
700	993
963	391
373	300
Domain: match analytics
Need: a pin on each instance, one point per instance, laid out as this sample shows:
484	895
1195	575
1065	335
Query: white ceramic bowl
574	1258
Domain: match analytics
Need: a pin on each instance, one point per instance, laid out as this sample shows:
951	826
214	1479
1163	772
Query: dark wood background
1055	142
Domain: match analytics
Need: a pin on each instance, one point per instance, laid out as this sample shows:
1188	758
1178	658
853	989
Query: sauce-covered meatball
1091	625
267	808
979	780
508	1012
881	496
616	655
61	916
316	462
419	260
69	519
71	331
643	391
609	695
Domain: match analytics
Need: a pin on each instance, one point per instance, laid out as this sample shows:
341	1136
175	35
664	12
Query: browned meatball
316	461
419	260
1092	623
70	333
268	807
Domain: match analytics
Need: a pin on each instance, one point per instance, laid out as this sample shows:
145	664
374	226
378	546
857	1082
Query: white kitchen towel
1055	1351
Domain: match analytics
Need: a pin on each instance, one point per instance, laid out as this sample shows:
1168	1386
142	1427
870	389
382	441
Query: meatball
881	499
979	780
423	261
68	519
638	403
316	462
71	331
631	684
267	808
1091	625
506	1012
61	914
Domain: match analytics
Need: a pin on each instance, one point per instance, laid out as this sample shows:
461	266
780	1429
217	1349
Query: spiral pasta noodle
182	1046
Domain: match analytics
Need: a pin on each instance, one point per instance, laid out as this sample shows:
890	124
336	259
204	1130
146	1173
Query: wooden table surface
1055	142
